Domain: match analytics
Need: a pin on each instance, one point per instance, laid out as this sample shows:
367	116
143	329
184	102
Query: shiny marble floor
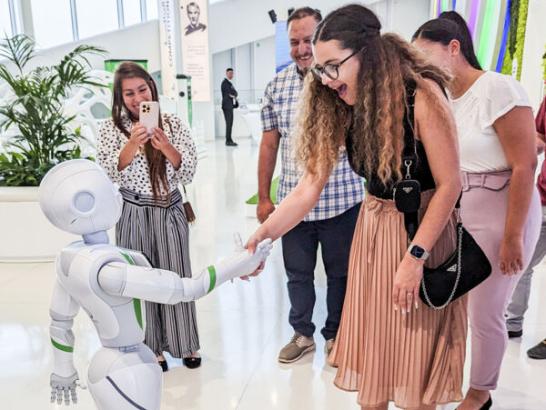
242	325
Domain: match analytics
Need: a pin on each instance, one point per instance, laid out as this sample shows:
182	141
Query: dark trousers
300	247
228	115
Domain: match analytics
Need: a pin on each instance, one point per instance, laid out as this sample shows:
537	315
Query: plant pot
27	235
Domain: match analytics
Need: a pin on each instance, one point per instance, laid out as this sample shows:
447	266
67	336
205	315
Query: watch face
417	251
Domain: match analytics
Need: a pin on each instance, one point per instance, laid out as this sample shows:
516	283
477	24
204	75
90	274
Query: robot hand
243	263
63	387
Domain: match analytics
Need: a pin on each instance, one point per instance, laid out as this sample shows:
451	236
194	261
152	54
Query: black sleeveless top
419	171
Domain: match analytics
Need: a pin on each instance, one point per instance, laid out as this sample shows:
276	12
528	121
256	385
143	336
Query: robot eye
84	201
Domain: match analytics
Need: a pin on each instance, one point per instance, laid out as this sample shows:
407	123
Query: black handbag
465	269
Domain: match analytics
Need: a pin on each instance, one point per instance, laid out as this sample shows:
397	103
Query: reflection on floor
242	325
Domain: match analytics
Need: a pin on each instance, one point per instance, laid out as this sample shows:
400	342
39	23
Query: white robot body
125	380
109	312
108	283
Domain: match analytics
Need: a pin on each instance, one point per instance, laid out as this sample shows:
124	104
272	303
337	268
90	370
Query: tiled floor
242	325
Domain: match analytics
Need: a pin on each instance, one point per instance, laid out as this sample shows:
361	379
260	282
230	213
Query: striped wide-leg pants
159	230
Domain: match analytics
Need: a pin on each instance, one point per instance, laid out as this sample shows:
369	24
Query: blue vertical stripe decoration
504	40
282	46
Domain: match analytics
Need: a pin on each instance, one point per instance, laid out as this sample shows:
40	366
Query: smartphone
149	115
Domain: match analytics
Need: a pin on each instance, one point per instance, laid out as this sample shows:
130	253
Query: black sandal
163	364
192	362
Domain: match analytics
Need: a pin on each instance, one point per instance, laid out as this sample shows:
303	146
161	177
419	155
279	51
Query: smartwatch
418	252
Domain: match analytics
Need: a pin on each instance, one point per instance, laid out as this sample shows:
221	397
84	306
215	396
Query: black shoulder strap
409	152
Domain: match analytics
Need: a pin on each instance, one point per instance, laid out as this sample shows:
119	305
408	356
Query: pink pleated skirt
410	359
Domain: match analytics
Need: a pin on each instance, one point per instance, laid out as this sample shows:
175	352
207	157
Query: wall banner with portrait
195	46
167	37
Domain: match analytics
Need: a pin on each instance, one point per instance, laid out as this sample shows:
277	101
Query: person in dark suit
229	102
194	12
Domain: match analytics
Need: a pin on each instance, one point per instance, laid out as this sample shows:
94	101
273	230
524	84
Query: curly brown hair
156	160
387	65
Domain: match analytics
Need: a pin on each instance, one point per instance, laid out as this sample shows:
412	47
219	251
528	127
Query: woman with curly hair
372	95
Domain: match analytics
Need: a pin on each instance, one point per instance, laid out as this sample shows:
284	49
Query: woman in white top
148	168
500	205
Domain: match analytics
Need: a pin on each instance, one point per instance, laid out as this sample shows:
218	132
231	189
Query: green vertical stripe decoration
128	258
136	302
520	37
138	312
212	277
488	33
516	42
68	349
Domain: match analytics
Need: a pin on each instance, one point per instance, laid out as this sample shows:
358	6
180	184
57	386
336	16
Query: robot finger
74	395
53	395
266	245
66	393
238	242
59	396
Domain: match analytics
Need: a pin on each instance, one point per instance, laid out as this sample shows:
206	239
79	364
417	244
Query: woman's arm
291	210
184	153
517	135
435	127
136	140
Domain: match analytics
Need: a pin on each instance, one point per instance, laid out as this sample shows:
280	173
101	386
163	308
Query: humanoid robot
108	282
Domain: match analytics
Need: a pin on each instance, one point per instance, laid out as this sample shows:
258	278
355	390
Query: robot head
78	197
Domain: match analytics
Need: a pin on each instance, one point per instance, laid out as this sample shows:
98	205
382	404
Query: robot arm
63	379
163	286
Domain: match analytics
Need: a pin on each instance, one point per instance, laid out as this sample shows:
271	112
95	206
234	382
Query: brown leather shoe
296	348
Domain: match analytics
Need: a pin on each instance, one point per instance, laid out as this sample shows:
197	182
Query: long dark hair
387	65
156	159
450	26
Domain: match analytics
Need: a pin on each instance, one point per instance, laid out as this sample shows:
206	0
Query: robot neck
96	238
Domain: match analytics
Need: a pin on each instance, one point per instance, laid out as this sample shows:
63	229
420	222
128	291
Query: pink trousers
483	212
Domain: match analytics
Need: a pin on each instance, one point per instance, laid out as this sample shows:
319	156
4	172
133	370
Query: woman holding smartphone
148	167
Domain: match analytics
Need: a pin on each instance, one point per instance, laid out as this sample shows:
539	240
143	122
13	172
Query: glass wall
52	21
5	20
131	12
56	22
95	17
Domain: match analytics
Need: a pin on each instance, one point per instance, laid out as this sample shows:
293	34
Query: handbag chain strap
457	279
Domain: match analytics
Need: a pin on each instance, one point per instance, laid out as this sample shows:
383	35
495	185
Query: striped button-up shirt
344	188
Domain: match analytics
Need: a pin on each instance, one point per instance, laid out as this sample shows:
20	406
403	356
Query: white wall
535	41
220	61
264	62
244	21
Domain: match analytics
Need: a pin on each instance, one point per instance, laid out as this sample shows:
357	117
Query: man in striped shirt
331	223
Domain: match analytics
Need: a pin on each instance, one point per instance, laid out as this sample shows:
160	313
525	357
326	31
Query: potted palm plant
38	134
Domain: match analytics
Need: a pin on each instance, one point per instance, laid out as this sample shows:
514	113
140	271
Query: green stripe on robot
138	311
68	349
212	275
136	302
128	258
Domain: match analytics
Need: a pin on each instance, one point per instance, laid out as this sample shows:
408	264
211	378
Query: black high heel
487	405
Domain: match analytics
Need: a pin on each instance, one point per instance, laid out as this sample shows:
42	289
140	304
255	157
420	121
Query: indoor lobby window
151	9
52	22
96	17
5	19
131	12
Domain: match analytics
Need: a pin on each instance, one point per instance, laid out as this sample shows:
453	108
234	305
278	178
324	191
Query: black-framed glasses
331	70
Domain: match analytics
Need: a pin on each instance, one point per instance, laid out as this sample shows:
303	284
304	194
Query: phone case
149	115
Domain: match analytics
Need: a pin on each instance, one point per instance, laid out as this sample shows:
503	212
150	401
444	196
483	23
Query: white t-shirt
490	97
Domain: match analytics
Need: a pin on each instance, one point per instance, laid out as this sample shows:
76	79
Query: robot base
125	380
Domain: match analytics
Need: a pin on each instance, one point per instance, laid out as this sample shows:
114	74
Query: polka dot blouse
135	176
